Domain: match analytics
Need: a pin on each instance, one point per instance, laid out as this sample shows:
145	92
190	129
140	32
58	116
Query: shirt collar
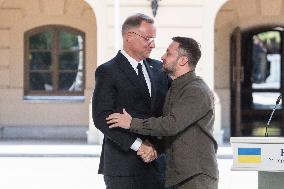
131	60
184	78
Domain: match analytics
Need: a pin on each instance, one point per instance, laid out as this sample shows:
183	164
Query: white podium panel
258	153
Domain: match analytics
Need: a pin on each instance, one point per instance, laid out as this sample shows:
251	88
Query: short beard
170	70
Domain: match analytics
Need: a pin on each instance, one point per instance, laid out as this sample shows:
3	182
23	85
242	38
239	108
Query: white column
212	8
93	134
218	131
100	9
117	30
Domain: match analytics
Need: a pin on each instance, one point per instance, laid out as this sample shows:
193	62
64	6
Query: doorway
256	81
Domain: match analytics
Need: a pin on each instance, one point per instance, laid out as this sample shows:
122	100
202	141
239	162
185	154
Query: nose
152	44
163	57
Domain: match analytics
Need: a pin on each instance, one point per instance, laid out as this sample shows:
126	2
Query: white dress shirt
138	142
134	65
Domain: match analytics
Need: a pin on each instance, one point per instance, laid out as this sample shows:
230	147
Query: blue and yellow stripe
249	155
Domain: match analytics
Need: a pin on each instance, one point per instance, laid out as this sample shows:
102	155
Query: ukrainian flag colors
249	155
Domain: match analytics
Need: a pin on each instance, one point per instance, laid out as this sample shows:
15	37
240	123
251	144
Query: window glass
41	40
266	60
40	60
265	100
71	60
54	61
71	81
69	41
41	81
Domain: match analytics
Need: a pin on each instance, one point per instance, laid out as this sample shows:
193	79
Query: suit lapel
126	68
149	69
152	76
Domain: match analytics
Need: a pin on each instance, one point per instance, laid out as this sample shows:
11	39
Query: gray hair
134	21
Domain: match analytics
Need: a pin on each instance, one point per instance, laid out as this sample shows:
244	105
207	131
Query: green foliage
269	36
69	41
41	40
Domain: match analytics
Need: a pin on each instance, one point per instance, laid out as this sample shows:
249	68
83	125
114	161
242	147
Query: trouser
137	182
160	167
151	180
200	181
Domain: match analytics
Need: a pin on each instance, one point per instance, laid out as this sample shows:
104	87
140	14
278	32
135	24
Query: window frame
55	52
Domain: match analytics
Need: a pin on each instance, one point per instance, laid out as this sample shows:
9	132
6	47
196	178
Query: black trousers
154	179
137	182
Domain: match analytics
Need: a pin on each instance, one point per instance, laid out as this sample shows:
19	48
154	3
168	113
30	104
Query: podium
262	154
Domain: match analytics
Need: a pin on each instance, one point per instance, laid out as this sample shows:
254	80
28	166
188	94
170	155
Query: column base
94	137
219	136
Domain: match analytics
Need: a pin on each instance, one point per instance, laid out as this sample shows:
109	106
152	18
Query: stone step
49	150
44	148
44	132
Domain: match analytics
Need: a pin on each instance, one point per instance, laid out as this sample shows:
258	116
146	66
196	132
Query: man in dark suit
186	124
133	81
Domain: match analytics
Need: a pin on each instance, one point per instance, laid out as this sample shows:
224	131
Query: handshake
147	152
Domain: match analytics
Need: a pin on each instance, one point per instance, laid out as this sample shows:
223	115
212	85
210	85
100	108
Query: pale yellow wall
183	18
18	16
189	18
209	22
245	14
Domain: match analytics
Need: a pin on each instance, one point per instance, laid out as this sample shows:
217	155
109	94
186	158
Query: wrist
130	121
136	145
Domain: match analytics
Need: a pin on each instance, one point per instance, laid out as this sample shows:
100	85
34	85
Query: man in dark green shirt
186	124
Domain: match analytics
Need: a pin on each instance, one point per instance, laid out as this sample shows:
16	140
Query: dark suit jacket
117	87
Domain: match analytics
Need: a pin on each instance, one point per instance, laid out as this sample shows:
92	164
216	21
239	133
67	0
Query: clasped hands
146	151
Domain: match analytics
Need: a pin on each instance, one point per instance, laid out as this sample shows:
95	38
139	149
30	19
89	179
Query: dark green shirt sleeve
188	107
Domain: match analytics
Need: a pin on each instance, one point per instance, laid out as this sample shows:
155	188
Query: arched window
54	61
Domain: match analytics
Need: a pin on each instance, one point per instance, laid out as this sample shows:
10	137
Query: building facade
49	51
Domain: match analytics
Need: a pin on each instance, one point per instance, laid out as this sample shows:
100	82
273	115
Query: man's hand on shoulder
119	120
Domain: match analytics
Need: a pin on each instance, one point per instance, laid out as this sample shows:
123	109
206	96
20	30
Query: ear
183	60
129	36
